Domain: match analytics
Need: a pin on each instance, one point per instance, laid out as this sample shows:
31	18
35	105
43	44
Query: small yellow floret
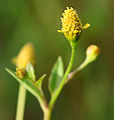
27	54
71	24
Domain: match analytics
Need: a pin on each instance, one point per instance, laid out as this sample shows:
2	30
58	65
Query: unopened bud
92	52
20	72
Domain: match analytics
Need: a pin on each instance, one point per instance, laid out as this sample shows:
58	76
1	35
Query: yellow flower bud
71	24
92	52
27	54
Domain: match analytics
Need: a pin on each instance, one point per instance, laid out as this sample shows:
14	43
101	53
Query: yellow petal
86	26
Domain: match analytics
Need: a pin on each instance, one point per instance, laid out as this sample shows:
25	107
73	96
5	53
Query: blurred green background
90	95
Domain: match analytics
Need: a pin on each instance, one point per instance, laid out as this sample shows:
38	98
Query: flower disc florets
71	24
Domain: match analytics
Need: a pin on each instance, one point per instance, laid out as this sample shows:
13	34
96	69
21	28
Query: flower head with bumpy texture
71	24
20	72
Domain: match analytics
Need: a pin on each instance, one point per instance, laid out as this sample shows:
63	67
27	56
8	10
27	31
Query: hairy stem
21	103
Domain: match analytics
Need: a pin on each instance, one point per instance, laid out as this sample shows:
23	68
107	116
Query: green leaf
56	75
39	82
28	84
30	70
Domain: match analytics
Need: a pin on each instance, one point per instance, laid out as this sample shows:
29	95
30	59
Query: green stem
21	103
45	108
82	66
56	94
47	114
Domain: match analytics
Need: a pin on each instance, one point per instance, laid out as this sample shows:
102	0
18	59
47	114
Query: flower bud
92	52
26	54
71	24
20	72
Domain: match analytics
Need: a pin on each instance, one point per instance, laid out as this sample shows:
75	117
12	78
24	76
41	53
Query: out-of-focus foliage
91	92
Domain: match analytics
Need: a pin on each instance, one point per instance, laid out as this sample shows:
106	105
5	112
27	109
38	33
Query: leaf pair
31	74
56	75
29	81
35	87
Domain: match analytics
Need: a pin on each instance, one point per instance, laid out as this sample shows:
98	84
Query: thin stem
21	103
56	94
45	108
82	66
47	114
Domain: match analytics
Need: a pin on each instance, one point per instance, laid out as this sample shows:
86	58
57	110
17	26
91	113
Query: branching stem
56	94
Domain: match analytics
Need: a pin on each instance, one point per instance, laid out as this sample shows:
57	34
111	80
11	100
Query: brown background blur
90	95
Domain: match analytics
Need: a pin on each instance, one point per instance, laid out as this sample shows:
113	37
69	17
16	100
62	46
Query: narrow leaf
28	84
30	70
39	81
56	75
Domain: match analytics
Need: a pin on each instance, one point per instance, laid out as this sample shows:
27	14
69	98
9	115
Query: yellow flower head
71	24
26	54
